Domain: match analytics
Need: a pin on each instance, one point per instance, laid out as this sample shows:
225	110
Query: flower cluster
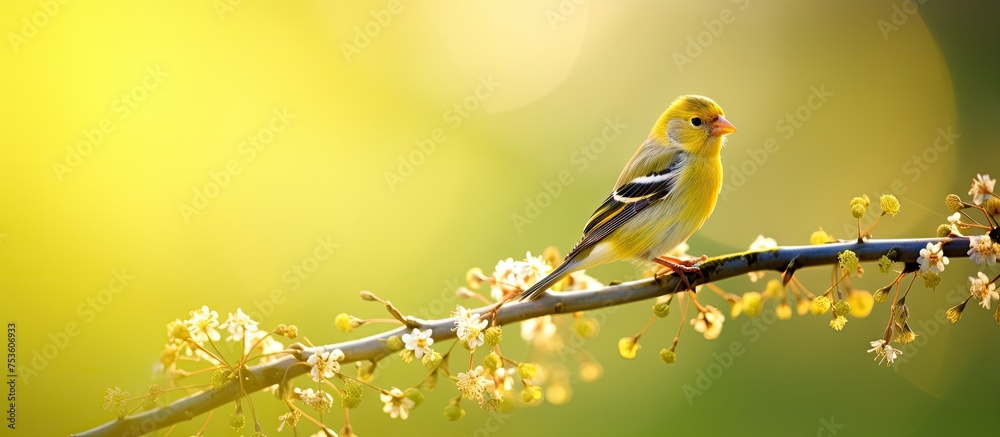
983	249
551	337
198	339
709	322
859	210
788	294
469	327
842	297
193	337
490	381
932	262
511	277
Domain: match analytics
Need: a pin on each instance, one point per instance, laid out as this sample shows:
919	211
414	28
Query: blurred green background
404	137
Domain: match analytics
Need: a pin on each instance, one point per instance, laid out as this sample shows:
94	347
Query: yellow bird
665	193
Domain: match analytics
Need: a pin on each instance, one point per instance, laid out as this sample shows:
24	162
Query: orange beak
722	127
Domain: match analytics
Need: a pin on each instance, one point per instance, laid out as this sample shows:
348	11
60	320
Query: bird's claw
680	267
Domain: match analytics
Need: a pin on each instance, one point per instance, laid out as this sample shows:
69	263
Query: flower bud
992	206
475	277
628	347
395	343
752	303
882	293
661	309
841	308
954	202
531	394
453	412
414	395
667	356
527	370
493	335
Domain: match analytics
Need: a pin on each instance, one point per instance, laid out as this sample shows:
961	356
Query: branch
373	348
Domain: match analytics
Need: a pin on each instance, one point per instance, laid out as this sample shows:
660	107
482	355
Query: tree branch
784	259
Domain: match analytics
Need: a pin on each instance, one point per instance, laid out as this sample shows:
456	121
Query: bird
663	195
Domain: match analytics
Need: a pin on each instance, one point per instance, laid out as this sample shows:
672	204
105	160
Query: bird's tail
564	269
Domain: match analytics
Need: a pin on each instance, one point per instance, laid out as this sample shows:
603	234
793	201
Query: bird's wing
628	200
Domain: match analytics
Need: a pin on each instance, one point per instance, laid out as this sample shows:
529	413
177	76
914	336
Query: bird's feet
679	267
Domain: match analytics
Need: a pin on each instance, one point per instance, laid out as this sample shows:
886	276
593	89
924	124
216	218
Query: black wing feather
626	202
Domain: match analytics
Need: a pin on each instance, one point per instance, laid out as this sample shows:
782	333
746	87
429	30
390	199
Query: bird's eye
696	121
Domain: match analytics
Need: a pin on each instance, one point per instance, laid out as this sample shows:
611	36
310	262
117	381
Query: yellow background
560	72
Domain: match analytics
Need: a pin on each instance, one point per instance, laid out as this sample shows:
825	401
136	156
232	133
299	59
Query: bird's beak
722	127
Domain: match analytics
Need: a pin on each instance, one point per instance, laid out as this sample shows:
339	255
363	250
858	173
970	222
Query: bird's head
695	123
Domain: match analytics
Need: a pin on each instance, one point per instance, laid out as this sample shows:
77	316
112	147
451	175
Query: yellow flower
774	290
346	322
861	302
849	260
820	305
783	311
752	303
821	237
628	347
889	204
802	305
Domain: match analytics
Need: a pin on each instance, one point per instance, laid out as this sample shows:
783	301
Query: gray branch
783	259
